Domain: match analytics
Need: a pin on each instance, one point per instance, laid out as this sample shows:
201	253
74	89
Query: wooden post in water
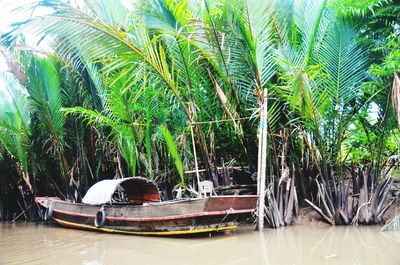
262	161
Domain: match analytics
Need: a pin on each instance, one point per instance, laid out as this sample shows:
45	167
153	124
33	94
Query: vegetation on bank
148	88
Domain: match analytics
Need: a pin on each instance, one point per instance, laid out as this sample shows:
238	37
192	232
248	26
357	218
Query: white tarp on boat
102	192
134	189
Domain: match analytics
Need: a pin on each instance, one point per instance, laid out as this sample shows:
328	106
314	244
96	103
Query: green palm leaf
43	85
127	49
344	63
173	151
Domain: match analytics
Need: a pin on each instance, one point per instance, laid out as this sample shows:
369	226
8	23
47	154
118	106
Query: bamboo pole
260	133
195	153
262	161
195	161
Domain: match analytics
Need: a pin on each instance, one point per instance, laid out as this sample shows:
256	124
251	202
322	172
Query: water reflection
44	244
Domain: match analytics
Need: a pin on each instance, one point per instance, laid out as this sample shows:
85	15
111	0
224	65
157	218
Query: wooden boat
133	206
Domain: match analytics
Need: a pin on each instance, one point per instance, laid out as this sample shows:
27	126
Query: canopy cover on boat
135	190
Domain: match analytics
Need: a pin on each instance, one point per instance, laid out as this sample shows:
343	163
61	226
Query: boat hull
164	218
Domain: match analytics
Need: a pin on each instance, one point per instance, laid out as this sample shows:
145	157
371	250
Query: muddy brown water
30	243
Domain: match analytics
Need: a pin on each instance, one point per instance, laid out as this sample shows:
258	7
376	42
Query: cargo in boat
133	206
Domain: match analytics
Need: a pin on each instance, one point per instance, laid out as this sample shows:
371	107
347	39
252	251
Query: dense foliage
150	88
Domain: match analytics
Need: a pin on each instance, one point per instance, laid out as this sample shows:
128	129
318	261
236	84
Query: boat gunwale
178	201
160	218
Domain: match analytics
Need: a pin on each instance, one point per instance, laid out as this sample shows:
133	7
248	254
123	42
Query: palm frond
128	148
313	21
173	151
44	90
344	61
91	117
125	48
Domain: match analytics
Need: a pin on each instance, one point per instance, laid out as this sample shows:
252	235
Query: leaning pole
262	160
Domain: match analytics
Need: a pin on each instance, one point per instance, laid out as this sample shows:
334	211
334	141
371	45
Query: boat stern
46	201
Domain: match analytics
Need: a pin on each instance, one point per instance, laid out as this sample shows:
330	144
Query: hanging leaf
173	151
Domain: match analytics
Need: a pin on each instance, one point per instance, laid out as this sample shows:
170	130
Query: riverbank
308	216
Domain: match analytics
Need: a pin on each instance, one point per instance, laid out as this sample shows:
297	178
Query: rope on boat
230	210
